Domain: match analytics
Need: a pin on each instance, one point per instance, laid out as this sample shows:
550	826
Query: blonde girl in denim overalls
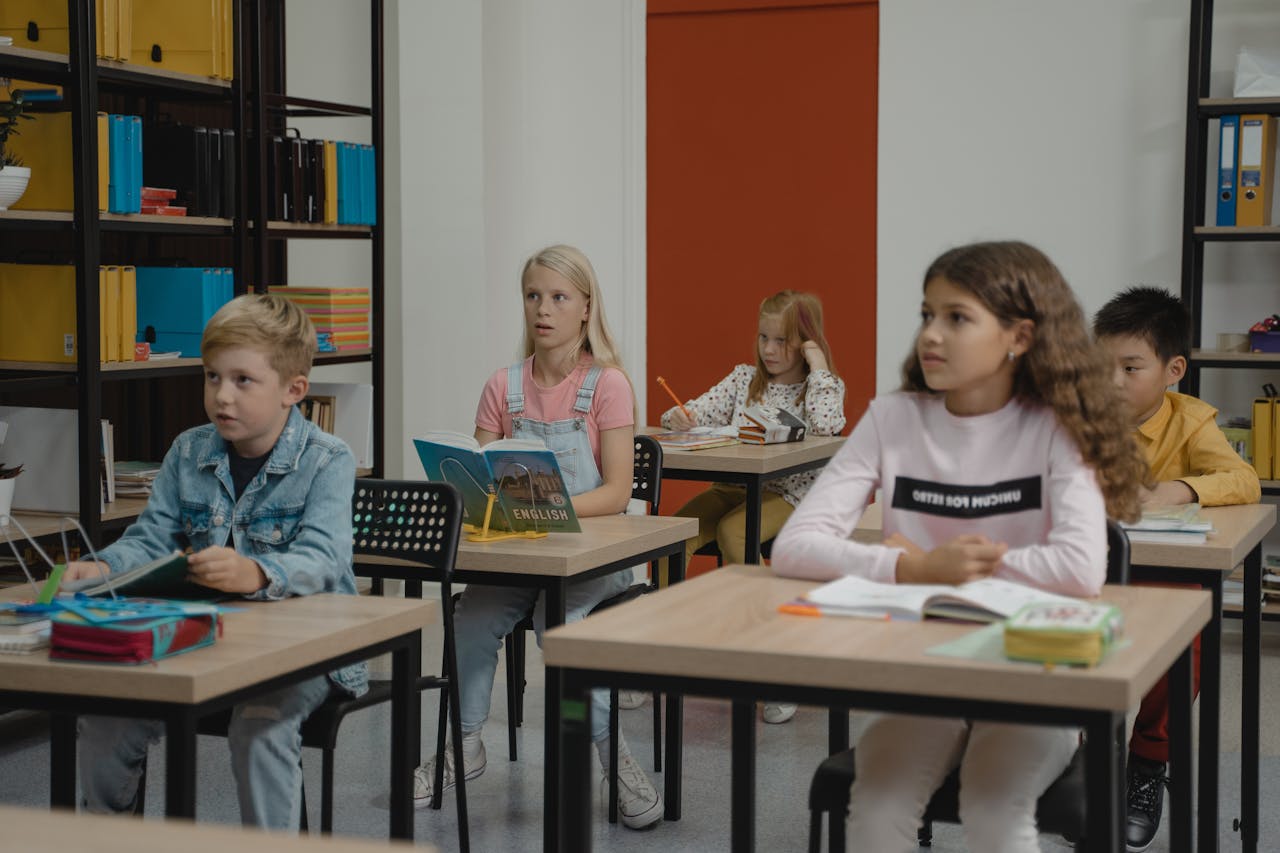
572	358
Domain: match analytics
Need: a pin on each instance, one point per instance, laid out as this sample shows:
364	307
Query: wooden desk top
260	641
604	539
749	458
1237	530
40	830
725	625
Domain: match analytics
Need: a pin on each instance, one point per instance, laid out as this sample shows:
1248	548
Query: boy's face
247	400
1141	375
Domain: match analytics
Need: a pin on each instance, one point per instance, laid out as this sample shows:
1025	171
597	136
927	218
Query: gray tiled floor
506	801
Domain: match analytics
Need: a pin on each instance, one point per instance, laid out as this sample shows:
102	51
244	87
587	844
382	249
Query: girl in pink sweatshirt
1002	454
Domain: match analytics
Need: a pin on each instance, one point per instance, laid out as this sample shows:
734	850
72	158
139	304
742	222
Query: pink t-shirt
611	407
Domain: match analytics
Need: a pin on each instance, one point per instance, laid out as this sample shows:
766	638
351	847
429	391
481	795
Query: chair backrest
1117	553
408	520
646	478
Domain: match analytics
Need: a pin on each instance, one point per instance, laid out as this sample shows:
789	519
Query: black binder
177	156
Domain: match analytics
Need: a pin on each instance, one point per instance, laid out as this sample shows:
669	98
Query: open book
1181	524
524	477
770	425
984	600
698	438
164	577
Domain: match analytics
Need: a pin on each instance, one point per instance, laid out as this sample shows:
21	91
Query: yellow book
124	29
1080	632
330	182
38	313
36	24
177	36
1263	424
110	309
104	160
102	315
128	311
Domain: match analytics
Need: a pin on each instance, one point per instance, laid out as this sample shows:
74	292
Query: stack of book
341	313
134	479
320	411
23	632
770	425
156	200
1175	525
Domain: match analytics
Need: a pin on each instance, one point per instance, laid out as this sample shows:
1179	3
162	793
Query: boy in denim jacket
262	498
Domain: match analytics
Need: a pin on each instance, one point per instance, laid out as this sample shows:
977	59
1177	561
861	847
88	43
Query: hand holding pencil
683	419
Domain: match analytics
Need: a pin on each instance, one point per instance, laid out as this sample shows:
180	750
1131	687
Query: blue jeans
265	739
486	614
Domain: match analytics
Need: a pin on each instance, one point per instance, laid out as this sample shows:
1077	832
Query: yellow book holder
484	534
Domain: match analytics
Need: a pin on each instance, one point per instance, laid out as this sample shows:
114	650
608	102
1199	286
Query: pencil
667	388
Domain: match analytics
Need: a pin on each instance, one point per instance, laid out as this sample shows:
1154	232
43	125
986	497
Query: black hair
1151	313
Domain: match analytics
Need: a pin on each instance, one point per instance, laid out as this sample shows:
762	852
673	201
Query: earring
1011	355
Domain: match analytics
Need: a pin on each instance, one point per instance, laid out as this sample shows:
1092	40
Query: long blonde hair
801	317
1064	368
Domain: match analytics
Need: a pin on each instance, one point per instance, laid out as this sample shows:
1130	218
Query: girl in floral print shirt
793	371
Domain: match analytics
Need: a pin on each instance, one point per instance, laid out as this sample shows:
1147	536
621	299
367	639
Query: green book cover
164	577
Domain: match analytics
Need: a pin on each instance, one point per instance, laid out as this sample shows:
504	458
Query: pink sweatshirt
1013	475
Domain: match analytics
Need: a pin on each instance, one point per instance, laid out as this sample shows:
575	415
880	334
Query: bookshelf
1203	113
149	403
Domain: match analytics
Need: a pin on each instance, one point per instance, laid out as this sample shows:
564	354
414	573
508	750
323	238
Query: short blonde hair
267	322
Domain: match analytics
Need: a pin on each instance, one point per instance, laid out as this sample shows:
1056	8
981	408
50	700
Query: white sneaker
424	778
629	700
639	804
779	712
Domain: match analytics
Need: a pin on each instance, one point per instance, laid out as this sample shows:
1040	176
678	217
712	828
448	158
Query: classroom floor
506	804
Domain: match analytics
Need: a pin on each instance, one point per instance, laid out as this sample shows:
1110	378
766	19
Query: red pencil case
140	640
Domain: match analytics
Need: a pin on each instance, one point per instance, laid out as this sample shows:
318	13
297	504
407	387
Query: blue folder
175	303
124	158
1228	147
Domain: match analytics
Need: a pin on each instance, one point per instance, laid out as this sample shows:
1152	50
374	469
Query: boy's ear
1174	370
296	389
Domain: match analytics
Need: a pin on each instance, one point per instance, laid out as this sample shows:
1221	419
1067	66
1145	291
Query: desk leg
1210	721
406	732
755	495
671	779
1249	699
555	612
743	786
1104	770
575	729
837	741
1180	754
62	761
180	765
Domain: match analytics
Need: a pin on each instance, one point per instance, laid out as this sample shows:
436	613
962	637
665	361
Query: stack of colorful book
155	200
341	313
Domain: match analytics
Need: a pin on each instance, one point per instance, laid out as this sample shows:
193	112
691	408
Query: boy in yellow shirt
1147	330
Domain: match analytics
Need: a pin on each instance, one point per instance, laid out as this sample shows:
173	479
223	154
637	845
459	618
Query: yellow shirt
1183	442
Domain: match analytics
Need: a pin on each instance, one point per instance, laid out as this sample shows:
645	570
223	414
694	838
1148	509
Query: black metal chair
1060	809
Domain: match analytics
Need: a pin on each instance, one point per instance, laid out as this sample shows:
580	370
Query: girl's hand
813	356
897	540
681	422
225	570
1169	493
79	569
963	559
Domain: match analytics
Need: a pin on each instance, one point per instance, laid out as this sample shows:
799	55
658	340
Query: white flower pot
13	183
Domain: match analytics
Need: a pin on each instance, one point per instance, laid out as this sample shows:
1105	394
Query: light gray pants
265	739
1004	768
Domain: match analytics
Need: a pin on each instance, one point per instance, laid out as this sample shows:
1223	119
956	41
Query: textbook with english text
524	476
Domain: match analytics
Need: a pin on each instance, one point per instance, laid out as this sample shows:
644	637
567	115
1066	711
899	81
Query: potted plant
13	175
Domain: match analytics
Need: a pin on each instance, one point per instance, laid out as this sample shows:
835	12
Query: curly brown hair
1064	368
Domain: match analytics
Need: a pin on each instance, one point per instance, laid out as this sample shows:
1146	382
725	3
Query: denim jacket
293	518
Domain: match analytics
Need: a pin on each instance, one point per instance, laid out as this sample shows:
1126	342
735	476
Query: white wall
1056	123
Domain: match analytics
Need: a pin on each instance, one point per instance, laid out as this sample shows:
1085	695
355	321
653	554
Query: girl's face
964	350
555	311
782	360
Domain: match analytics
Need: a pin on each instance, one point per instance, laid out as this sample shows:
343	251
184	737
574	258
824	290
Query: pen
667	388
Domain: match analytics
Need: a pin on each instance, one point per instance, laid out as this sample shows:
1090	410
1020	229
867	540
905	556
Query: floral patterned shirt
822	410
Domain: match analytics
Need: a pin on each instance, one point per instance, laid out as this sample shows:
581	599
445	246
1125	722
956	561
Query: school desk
58	831
264	646
749	651
606	544
751	465
1237	539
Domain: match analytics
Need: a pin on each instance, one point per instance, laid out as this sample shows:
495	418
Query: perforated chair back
408	520
646	477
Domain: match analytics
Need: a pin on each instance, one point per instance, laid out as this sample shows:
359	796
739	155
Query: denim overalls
486	614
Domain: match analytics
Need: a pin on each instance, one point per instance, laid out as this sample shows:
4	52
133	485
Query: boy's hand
680	422
225	570
1169	493
78	569
813	356
963	559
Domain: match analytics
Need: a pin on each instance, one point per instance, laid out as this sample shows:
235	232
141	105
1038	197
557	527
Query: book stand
482	533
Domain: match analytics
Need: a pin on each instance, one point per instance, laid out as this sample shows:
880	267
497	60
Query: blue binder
175	303
124	159
1228	145
345	202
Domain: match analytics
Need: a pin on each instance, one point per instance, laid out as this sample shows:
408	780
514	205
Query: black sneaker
1146	783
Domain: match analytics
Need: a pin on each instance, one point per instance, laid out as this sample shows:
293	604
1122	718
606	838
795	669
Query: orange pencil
667	388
